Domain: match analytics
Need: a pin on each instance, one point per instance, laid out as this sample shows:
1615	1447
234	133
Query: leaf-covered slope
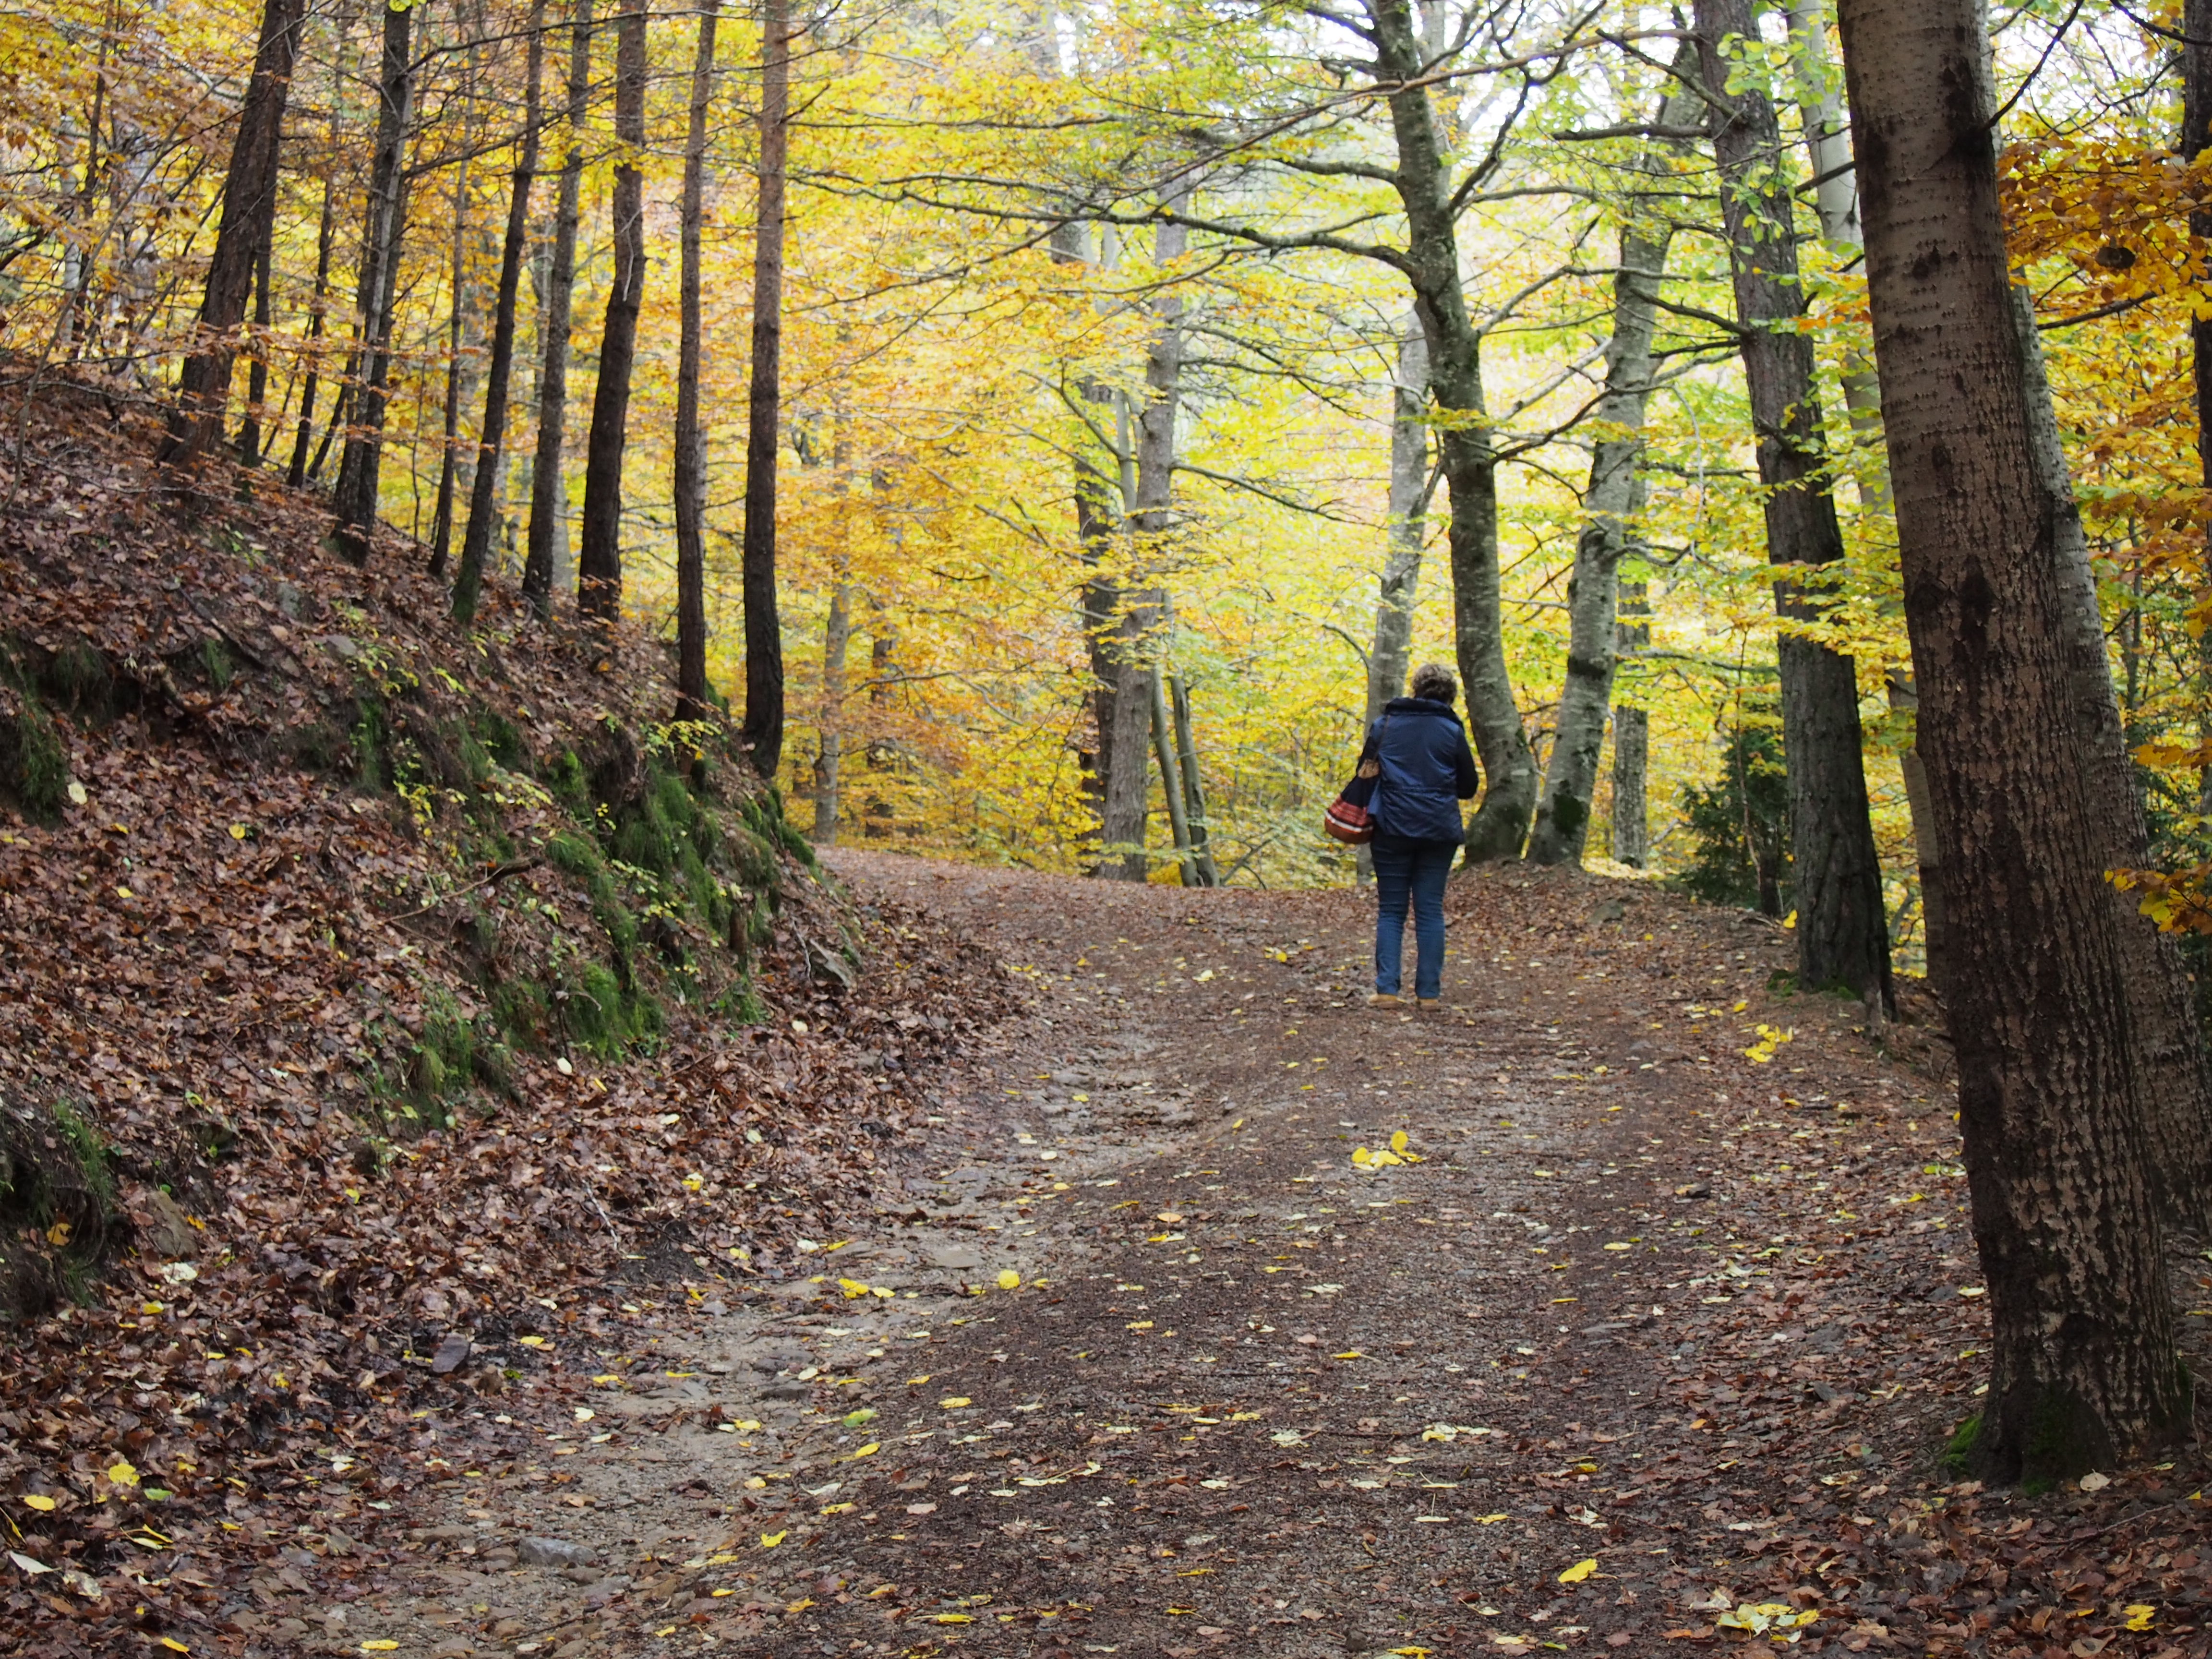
364	985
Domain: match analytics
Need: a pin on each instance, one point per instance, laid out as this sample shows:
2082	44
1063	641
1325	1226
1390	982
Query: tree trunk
362	463
2170	1075
2196	55
249	210
1193	788
1469	459
599	564
691	689
763	733
319	310
491	441
1843	935
2084	1370
1631	746
1610	505
549	492
1164	751
1392	658
449	461
837	638
257	378
1934	913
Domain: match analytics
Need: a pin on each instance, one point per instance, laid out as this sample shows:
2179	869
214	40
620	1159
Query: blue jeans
1411	869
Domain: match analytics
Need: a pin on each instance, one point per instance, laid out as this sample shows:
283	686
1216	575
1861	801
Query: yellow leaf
915	1381
882	1590
1581	1570
1490	1520
1349	1353
953	1402
954	1618
851	1287
1009	1279
381	1644
870	1450
770	1539
1398	1141
2140	1614
39	1501
58	1234
1362	1156
175	1646
123	1474
238	832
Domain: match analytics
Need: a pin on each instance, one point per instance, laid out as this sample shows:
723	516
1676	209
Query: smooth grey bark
1392	658
1465	442
1164	748
2169	1072
549	490
692	691
1193	786
361	463
491	435
2084	1368
1842	930
1610	505
1632	749
1142	606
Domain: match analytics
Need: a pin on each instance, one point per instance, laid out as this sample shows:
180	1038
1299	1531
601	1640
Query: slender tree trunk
1610	506
763	733
318	313
1464	441
2196	54
598	563
491	443
449	461
1843	934
256	377
357	492
1143	609
1631	748
1193	786
837	639
1935	913
1164	751
691	689
549	491
1392	658
2084	1370
249	210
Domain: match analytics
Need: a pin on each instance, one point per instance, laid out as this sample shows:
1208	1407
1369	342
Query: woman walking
1425	770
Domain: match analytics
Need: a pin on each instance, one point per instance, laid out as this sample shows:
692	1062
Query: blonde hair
1435	681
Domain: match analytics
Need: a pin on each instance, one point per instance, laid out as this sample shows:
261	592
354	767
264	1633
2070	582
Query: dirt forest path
1663	1310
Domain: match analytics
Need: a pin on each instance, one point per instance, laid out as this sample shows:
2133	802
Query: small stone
556	1552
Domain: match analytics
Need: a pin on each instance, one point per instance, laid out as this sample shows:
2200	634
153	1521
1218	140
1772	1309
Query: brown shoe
1383	999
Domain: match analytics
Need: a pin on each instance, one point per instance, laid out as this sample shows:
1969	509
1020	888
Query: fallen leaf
39	1501
29	1565
1009	1279
1581	1570
954	1402
2096	1482
123	1474
770	1539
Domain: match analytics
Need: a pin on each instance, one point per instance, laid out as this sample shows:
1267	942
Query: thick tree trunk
1469	458
2169	1073
598	563
361	465
1843	934
249	216
457	315
549	490
318	312
1610	505
691	689
763	733
2084	1370
1392	658
491	441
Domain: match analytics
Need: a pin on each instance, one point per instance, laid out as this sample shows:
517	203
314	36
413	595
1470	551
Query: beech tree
548	493
762	731
690	442
2083	1365
1842	930
598	562
243	242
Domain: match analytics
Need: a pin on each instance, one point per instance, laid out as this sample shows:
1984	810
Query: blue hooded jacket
1427	770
